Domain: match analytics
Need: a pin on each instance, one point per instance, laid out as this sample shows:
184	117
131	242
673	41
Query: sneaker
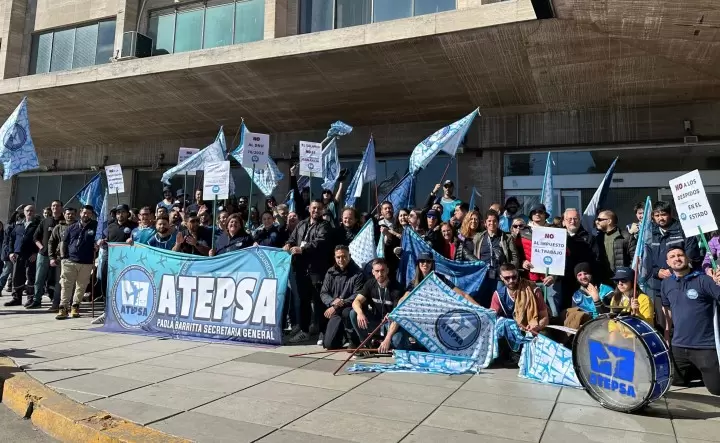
99	321
321	338
300	337
62	315
13	302
34	305
30	301
295	329
75	312
314	329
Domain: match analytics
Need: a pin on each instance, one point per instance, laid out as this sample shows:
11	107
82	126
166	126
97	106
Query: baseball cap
125	208
448	183
432	214
180	193
425	256
624	273
167	189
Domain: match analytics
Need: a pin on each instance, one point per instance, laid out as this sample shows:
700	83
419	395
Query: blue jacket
656	253
79	242
22	240
691	299
225	243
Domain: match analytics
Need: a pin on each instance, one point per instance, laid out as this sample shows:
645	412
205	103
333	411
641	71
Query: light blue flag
644	237
365	174
598	199
446	139
267	178
472	198
91	194
547	197
545	361
290	202
362	248
380	250
211	154
403	196
330	164
338	129
17	152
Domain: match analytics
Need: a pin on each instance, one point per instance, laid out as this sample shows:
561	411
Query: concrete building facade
592	82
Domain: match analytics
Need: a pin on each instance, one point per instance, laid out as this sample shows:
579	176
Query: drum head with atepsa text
613	365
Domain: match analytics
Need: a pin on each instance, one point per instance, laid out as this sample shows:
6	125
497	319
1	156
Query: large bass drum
622	362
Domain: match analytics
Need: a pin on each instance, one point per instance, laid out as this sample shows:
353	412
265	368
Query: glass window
71	184
41	53
162	31
85	46
352	13
188	30
62	51
218	26
432	6
249	21
316	15
48	190
384	10
105	42
26	191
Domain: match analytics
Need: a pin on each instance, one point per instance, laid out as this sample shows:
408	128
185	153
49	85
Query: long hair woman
471	225
453	248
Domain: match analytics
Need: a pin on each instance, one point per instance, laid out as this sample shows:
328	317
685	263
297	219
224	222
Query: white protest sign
310	159
186	153
116	182
216	181
256	149
548	250
692	204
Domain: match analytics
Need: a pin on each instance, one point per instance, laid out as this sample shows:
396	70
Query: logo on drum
612	368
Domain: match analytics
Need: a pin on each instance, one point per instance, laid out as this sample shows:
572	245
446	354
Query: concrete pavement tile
576	397
606	418
285	436
511	388
320	379
165	346
249	370
79	397
99	384
219	351
118	340
698	404
428	434
49	375
443	381
295	349
208	381
83	362
487	423
142	372
404	391
211	429
124	354
372	406
170	396
290	394
508	374
183	362
275	359
690	440
559	432
698	429
501	404
254	410
23	357
141	413
357	429
73	347
329	366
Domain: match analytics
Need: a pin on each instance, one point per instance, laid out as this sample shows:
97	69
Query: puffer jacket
621	255
656	252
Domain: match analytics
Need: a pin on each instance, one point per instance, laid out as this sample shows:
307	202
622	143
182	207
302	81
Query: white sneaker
299	338
99	321
320	339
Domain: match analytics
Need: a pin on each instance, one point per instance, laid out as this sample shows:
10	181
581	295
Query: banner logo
458	329
135	298
15	138
612	368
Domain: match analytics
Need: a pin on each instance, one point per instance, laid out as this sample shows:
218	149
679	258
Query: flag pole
214	218
184	202
252	181
83	186
117	196
446	169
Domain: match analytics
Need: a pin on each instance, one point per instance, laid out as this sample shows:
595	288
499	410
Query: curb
65	419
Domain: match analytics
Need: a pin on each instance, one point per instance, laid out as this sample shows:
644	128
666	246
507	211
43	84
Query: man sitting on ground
342	283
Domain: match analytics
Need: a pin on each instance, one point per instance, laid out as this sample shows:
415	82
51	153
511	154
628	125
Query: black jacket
269	237
316	243
22	238
225	243
621	255
43	232
434	239
581	248
656	252
119	234
344	236
344	284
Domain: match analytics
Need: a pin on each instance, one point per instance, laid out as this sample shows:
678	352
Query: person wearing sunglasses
517	225
520	303
616	246
627	298
433	236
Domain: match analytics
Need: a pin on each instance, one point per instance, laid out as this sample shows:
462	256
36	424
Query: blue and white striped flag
338	129
548	191
266	178
446	139
362	248
330	165
598	199
365	174
91	194
17	152
643	240
216	152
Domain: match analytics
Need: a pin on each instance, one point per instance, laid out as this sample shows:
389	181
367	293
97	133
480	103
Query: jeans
400	340
691	363
553	297
6	273
42	271
292	301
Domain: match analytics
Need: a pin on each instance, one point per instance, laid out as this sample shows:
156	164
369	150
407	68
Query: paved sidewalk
234	393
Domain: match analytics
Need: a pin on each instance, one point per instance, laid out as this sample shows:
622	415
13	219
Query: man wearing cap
79	249
433	236
584	298
117	231
689	299
167	200
512	206
181	198
448	200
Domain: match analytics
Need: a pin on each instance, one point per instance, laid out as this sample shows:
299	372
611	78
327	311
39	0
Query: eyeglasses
509	277
424	261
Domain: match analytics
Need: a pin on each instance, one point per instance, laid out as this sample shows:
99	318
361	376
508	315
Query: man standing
342	283
615	246
79	248
666	233
688	299
118	231
495	248
309	245
23	254
448	200
145	229
43	272
55	248
164	235
194	207
512	206
581	248
167	201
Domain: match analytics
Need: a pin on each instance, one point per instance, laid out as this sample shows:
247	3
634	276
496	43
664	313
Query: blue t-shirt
142	235
691	300
163	243
582	300
448	208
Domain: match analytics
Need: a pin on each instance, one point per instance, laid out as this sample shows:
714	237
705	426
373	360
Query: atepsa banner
236	296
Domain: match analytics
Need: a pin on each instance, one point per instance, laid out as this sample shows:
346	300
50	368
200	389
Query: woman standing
470	227
268	234
453	248
234	239
494	247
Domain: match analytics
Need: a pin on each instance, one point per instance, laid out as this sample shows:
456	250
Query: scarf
526	310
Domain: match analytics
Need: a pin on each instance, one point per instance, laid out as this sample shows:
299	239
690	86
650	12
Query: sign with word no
692	204
548	250
256	149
